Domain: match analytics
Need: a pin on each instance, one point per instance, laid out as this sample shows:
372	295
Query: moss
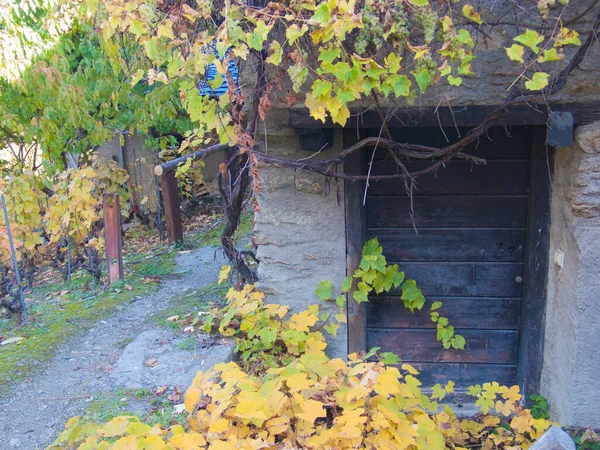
55	320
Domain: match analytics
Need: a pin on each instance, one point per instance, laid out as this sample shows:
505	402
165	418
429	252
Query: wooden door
464	242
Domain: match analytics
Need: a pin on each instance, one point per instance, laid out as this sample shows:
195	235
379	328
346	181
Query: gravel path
34	412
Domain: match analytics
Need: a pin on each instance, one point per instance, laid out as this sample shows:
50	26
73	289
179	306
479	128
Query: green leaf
438	392
321	88
347	284
136	27
325	290
400	84
530	39
423	78
293	33
371	352
419	2
329	55
362	293
515	52
388	358
412	295
256	39
332	328
474	391
549	56
464	37
470	13
454	81
538	82
322	14
275	53
458	342
436	305
340	300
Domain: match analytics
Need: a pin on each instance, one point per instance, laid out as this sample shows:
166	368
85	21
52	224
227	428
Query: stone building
512	248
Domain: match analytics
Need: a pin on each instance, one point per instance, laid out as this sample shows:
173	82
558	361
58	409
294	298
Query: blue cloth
211	73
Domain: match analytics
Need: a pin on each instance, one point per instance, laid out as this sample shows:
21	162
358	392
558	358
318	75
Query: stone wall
300	230
570	378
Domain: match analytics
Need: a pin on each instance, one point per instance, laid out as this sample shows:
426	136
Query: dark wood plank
506	245
416	345
465	375
469	116
531	347
172	207
355	218
499	144
447	211
496	313
508	177
466	279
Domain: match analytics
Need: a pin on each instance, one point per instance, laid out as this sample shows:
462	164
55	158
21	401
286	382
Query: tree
337	53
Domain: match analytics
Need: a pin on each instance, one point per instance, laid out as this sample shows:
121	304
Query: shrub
301	398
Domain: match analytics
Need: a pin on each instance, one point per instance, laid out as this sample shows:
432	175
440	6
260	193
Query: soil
126	351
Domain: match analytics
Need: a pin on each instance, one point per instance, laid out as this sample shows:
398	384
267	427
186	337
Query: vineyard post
24	316
112	236
172	207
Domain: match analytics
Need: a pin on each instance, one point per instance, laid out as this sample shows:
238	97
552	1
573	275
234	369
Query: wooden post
171	206
112	236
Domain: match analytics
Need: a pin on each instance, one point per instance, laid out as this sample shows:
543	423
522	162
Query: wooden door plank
465	279
473	245
508	177
497	313
418	345
465	375
447	211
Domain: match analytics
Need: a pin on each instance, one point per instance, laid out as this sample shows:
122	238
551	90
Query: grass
212	237
56	319
187	343
190	303
141	403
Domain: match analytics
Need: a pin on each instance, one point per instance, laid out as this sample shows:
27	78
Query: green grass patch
187	343
212	237
190	303
141	403
56	319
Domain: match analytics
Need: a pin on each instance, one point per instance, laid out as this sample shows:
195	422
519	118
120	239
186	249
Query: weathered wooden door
463	239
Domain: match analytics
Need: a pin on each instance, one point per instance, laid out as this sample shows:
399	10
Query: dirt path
34	412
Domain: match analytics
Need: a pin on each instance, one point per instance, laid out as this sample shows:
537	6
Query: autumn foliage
301	398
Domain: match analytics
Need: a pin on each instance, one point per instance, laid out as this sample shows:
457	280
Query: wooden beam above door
462	116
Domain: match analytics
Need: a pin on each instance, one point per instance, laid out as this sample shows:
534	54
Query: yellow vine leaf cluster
335	52
75	206
306	400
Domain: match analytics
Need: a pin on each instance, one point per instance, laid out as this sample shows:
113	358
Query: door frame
535	266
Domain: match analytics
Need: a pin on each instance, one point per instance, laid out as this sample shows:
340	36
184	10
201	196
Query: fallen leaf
152	362
11	341
173	319
128	287
118	291
160	390
179	409
174	397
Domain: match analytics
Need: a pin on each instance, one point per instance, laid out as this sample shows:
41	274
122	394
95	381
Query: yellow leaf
219	426
155	443
311	410
116	427
224	273
126	443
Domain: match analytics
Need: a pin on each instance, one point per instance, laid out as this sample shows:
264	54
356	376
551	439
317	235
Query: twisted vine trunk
233	183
